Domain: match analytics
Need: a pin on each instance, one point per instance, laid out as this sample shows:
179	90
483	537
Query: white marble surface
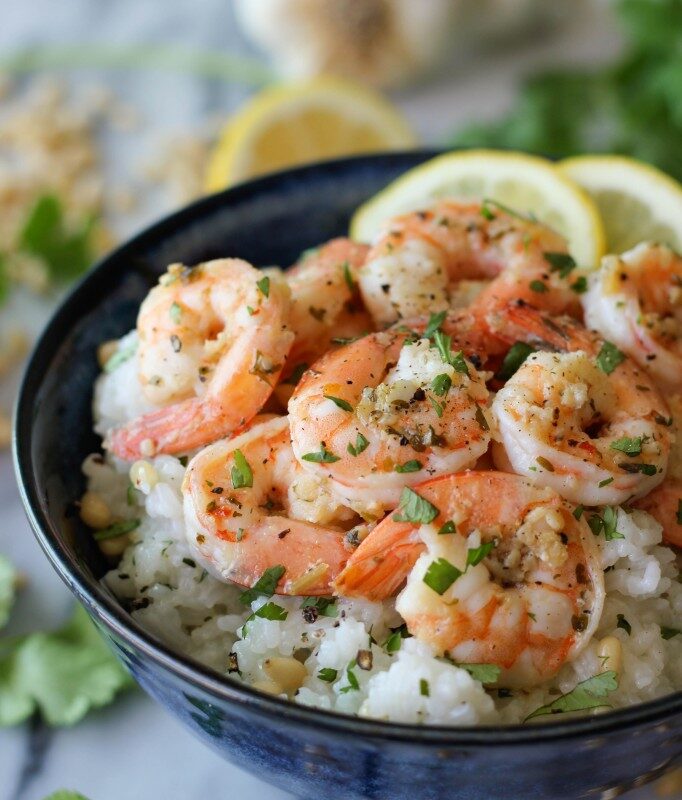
133	749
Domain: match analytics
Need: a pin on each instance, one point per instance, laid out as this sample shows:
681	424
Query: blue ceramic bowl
311	753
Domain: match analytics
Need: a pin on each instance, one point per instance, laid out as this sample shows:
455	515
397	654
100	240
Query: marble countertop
133	749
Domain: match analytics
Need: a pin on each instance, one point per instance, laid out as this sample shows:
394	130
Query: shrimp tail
381	564
520	321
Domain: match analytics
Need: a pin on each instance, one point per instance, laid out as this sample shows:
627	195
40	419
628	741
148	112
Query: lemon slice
527	184
298	123
636	201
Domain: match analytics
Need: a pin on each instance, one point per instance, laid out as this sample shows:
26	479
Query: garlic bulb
379	42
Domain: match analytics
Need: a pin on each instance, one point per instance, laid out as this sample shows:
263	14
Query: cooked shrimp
325	302
504	574
249	507
213	339
635	300
584	421
416	265
389	410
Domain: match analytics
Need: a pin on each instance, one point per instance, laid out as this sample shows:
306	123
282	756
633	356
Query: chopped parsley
327	674
361	443
344	405
579	286
480	418
578	512
350	283
443	344
409	466
265	585
324	456
325	606
264	286
516	355
605	482
587	694
242	476
538	286
353	684
424	690
638	466
609	357
563	263
447	527
606	524
271	611
395	640
476	554
414	508
440	575
175	312
485	673
631	446
116	530
437	407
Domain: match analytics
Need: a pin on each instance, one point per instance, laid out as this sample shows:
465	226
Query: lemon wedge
636	201
299	123
527	184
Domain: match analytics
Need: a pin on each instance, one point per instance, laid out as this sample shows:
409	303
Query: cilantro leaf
443	344
265	585
271	611
414	508
631	446
361	443
587	694
435	321
441	384
62	674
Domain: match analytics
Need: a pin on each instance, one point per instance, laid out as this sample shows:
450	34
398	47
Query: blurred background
113	112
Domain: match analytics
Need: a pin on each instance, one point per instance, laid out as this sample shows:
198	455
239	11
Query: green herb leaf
441	574
265	585
609	357
350	283
516	355
395	640
116	530
538	286
610	518
476	554
122	355
485	673
579	285
424	690
409	466
578	511
605	482
563	263
323	457
669	633
62	674
67	253
435	321
441	384
326	606
637	466
344	405
486	211
353	684
264	286
447	527
360	444
443	344
271	611
65	794
631	446
437	407
623	624
587	694
175	312
8	578
241	474
327	674
414	508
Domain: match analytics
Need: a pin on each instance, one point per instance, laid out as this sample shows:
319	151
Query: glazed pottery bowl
314	754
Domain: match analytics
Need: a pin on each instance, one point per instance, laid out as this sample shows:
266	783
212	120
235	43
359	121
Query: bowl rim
112	616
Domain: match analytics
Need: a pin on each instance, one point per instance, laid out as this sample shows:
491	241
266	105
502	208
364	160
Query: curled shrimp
325	302
249	507
418	263
390	410
213	340
504	574
584	419
635	300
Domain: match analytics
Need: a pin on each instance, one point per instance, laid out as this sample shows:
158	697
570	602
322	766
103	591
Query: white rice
194	613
